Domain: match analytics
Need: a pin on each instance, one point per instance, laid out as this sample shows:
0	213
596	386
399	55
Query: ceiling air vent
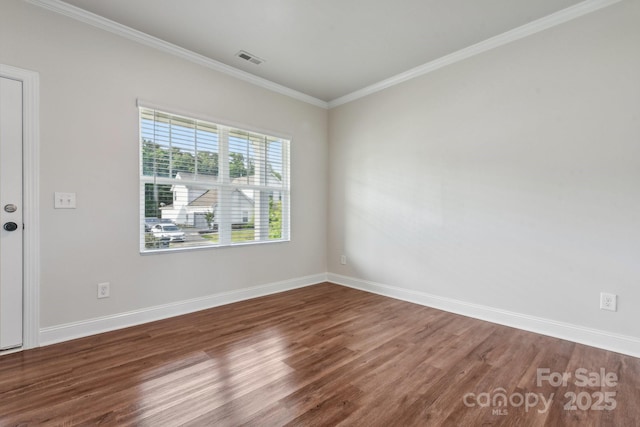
249	57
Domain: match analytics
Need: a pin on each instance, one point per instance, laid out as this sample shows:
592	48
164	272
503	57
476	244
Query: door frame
31	206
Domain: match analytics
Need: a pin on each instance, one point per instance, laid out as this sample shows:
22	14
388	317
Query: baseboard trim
588	336
59	333
579	334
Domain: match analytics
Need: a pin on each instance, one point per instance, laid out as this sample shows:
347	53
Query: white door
11	269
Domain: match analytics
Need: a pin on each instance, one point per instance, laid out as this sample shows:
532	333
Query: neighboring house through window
219	185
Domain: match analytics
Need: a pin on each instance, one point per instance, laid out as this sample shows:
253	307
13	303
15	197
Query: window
204	184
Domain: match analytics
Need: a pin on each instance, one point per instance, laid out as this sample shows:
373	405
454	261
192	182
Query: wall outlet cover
104	290
608	301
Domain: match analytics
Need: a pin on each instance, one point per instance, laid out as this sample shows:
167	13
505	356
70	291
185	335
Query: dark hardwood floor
321	355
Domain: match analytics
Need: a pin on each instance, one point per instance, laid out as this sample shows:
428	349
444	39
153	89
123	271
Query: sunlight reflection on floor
214	378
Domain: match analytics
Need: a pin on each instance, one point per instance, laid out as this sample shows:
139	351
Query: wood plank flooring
321	355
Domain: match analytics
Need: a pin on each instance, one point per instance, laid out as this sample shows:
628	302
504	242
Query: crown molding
518	33
533	27
154	42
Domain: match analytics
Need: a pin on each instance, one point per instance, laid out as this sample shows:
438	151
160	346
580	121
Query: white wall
89	81
510	180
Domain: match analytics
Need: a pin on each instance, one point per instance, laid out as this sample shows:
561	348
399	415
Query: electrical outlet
103	290
608	301
343	259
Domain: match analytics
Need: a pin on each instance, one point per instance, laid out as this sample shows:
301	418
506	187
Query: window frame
223	183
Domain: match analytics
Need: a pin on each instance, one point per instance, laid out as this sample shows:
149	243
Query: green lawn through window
246	235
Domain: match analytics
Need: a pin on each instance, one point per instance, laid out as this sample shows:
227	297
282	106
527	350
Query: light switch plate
64	200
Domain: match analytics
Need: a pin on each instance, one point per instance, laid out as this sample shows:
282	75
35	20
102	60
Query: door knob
10	226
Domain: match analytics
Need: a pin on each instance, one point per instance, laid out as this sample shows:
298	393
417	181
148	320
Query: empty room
320	213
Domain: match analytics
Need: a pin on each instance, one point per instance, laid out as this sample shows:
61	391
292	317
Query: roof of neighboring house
187	176
208	198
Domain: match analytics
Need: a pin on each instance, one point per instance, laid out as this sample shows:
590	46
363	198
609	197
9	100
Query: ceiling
326	49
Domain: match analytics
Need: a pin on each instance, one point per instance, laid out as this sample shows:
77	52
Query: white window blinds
204	184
